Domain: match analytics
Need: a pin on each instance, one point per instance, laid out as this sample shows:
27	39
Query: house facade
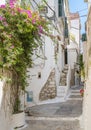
45	74
87	89
74	47
48	65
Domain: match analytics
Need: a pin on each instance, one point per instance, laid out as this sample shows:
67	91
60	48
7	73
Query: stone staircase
49	89
62	88
57	116
75	93
63	79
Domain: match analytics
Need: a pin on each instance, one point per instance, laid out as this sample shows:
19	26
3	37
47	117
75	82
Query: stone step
63	84
63	74
76	99
29	118
60	90
63	78
65	68
52	123
75	94
63	81
75	91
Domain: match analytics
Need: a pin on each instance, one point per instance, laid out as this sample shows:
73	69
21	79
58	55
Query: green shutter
66	28
60	8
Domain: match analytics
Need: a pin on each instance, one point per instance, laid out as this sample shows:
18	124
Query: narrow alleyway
57	116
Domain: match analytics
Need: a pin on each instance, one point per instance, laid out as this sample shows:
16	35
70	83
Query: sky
81	7
2	1
75	5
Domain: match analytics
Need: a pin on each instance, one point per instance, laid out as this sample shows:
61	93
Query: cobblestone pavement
56	116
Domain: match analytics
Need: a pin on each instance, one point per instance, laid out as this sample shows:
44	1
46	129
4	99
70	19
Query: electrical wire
36	3
85	15
82	10
32	5
55	26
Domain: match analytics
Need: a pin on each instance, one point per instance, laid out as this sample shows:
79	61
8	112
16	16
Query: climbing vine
20	34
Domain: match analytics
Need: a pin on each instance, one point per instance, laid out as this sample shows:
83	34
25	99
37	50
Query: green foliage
20	34
81	65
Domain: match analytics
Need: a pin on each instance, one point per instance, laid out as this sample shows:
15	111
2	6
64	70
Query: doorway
66	56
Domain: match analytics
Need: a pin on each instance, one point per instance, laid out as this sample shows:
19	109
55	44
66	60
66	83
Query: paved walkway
57	116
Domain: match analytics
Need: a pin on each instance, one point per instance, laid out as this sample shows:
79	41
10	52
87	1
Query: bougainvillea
20	34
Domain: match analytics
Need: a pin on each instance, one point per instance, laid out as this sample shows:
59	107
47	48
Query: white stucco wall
89	4
56	7
5	114
72	57
73	47
59	64
75	29
86	120
35	83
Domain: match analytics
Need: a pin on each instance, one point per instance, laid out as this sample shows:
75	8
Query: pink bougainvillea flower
1	18
2	6
28	13
33	21
12	3
19	10
13	13
40	29
5	23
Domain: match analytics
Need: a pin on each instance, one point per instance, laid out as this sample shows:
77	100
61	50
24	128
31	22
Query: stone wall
49	89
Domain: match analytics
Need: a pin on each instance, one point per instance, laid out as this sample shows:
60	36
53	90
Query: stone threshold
75	94
54	118
75	99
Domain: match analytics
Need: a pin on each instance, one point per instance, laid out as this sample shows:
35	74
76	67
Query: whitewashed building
74	46
87	87
46	72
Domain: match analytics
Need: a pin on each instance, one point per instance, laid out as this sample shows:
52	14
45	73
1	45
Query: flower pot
18	120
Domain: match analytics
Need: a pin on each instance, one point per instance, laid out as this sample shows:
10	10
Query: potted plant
82	92
20	34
